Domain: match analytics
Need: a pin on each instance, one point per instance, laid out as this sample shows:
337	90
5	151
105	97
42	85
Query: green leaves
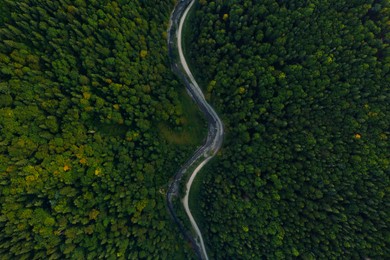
295	81
80	99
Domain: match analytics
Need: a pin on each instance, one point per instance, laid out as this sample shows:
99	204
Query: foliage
303	86
84	86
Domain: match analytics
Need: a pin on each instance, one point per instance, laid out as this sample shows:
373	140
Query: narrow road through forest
215	128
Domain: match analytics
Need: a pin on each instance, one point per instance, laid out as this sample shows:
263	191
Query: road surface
215	128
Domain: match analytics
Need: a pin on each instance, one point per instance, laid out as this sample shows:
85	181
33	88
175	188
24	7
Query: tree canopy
85	87
303	87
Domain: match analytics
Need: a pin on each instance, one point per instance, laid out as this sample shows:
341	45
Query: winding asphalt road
215	128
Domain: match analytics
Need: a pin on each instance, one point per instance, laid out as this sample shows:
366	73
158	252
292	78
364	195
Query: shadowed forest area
303	89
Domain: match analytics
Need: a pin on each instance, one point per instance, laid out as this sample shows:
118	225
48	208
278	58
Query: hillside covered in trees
303	88
92	126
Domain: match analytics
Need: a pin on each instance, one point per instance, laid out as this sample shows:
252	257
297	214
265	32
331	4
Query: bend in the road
215	132
202	97
187	208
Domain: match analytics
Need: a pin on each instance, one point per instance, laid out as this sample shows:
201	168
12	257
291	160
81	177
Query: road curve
215	127
187	208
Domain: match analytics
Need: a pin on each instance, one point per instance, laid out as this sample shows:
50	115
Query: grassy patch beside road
194	196
188	35
194	128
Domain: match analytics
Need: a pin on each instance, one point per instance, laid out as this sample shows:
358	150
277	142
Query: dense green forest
303	88
92	126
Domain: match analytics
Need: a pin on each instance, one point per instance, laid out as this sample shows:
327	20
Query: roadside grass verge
188	36
194	126
195	197
197	185
195	192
